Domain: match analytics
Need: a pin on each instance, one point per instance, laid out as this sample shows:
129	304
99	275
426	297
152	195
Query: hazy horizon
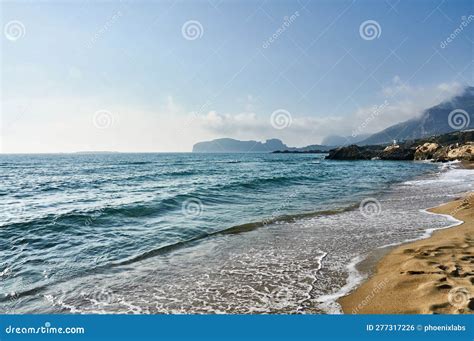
162	76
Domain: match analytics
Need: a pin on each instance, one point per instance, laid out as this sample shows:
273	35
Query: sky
159	76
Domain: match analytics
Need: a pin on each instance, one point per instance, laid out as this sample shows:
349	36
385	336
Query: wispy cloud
67	124
399	101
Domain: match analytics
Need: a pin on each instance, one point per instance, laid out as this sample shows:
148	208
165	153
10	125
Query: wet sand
429	276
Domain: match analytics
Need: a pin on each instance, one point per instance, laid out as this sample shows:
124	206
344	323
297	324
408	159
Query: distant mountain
311	147
336	140
227	145
434	121
96	152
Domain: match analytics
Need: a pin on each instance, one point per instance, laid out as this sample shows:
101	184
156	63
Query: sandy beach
429	276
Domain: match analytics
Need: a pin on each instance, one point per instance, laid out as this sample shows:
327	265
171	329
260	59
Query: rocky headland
442	148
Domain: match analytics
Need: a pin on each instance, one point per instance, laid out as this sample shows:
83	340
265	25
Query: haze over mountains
433	121
227	145
336	140
436	120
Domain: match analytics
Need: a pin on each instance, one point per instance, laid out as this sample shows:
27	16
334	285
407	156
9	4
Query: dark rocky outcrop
447	147
397	152
352	152
286	151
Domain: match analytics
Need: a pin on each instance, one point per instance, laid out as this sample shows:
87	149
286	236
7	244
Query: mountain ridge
436	120
228	145
446	117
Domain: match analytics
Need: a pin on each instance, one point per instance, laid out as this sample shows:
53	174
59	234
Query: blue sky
122	75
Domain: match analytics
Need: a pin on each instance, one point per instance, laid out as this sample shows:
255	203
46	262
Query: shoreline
434	274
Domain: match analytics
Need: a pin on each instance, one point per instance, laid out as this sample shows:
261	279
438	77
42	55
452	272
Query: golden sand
434	275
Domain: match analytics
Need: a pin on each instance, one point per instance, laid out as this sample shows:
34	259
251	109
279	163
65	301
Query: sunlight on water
140	227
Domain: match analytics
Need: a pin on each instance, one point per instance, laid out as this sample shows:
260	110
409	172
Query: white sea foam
300	266
448	175
328	302
354	277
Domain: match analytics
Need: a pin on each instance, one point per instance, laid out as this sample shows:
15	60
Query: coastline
432	275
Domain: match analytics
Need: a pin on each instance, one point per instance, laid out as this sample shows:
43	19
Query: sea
190	233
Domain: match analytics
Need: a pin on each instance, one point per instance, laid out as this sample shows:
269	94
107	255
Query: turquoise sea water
140	232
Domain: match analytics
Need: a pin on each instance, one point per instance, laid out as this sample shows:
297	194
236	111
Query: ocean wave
446	176
131	218
126	163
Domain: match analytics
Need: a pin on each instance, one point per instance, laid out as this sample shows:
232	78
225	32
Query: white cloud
48	124
248	125
67	125
397	102
453	88
405	101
